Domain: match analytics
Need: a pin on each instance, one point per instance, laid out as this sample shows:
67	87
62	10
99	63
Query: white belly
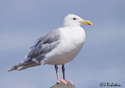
70	45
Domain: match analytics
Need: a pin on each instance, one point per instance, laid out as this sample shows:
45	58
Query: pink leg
58	79
63	71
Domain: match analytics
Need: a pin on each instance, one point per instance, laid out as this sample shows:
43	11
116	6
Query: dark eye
74	18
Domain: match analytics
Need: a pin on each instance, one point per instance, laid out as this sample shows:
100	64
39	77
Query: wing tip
13	68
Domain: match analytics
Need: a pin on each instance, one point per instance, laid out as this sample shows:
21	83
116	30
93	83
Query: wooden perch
62	85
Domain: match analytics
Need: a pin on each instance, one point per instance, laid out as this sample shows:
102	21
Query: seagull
57	47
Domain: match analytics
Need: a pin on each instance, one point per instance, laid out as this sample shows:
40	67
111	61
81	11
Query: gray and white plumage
58	46
44	45
38	51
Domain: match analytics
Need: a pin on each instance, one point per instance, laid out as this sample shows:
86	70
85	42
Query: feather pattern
37	52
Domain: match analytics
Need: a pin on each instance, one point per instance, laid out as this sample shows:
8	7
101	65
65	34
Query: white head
74	20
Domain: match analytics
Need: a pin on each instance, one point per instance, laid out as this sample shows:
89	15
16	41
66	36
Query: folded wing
37	52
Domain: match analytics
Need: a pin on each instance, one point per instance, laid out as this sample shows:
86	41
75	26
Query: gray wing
45	44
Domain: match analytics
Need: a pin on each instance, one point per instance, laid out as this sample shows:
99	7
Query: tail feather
24	65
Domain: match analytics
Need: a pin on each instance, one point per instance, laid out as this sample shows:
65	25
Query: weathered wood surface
62	85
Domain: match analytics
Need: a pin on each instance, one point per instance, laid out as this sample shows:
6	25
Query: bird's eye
74	18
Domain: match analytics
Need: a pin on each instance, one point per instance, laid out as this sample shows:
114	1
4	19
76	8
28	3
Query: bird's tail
23	65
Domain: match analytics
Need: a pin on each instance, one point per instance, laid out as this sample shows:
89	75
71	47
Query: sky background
102	58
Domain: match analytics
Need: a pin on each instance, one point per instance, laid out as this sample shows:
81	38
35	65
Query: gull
57	47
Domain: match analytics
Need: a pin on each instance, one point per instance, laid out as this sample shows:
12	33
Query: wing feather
45	44
37	52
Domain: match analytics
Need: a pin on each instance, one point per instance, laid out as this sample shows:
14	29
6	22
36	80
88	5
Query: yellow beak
86	22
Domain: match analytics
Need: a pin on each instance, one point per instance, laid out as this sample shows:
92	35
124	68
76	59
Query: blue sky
101	59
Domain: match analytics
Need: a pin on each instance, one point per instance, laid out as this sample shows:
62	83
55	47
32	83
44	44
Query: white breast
71	42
